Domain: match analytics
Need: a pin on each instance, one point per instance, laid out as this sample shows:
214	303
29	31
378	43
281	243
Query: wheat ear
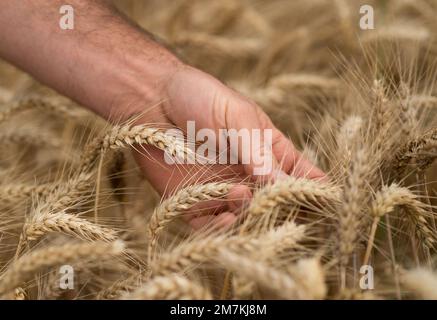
385	202
291	191
60	193
26	266
122	287
197	252
42	223
127	135
55	104
272	244
350	214
285	285
182	201
172	287
419	153
19	191
242	47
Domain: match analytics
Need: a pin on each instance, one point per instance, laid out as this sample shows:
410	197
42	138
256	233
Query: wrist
136	84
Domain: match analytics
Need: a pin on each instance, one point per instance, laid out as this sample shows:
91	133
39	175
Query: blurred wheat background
361	104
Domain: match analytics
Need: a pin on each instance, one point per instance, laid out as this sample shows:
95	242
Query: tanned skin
111	66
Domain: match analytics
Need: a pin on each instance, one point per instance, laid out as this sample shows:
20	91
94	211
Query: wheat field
360	104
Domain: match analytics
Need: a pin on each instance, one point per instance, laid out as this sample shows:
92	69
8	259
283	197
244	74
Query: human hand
192	95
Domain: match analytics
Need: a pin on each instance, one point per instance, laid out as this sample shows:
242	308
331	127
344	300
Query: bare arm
101	63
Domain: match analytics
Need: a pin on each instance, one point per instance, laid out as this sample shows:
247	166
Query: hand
192	95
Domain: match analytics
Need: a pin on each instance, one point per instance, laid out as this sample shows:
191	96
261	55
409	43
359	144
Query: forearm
104	63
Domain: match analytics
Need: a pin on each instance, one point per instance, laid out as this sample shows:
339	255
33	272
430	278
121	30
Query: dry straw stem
421	282
42	223
294	286
127	135
26	266
292	191
264	246
182	201
172	287
54	104
418	153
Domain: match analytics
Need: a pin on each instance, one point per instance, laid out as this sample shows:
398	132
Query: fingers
253	134
276	154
